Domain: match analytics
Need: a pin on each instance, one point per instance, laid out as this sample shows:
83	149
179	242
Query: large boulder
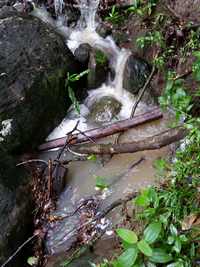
16	208
34	62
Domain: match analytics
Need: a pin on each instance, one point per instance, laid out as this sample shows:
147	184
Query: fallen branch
103	131
103	213
150	143
19	249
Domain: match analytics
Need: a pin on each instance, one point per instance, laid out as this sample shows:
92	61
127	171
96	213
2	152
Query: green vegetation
101	58
114	16
72	78
166	220
143	8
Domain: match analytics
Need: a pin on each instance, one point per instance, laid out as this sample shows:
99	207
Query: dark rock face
135	74
15	207
82	53
34	62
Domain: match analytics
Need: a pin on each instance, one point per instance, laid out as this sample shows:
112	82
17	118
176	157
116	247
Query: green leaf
127	258
92	157
170	240
177	245
32	261
101	182
173	230
127	235
143	199
160	256
152	232
145	248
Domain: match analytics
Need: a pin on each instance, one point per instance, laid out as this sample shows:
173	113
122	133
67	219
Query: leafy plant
101	58
71	78
142	8
154	38
165	238
114	16
101	182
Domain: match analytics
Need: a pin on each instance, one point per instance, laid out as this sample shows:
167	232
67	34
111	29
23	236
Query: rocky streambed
34	66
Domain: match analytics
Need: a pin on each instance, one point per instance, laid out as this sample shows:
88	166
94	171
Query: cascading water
83	173
85	32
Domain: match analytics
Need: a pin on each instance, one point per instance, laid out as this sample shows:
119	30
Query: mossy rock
104	109
34	62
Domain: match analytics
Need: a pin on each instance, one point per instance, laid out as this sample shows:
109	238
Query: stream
114	103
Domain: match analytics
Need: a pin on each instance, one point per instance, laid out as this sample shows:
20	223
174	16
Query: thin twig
84	134
142	92
18	250
50	179
104	212
75	153
183	75
32	160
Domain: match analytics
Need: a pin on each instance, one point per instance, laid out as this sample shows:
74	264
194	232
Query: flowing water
81	178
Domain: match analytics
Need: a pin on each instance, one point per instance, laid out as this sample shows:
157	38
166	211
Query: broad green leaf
127	258
160	256
145	248
177	245
143	199
173	230
151	233
127	235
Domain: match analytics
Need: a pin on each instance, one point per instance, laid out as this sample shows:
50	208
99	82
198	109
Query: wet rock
82	53
103	30
15	207
135	74
98	69
96	62
72	14
34	62
104	110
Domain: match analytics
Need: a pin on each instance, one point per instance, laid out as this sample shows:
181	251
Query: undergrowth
168	214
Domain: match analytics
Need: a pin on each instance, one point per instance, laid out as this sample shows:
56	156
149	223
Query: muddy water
81	181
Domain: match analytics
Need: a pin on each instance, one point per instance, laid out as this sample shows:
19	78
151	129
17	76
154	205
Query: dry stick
104	212
138	100
18	250
50	179
150	143
32	160
104	131
142	92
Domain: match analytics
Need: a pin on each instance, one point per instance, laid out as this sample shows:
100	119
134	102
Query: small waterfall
58	5
88	12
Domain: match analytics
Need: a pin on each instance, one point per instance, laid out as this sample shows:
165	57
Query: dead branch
104	212
103	131
19	249
150	143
